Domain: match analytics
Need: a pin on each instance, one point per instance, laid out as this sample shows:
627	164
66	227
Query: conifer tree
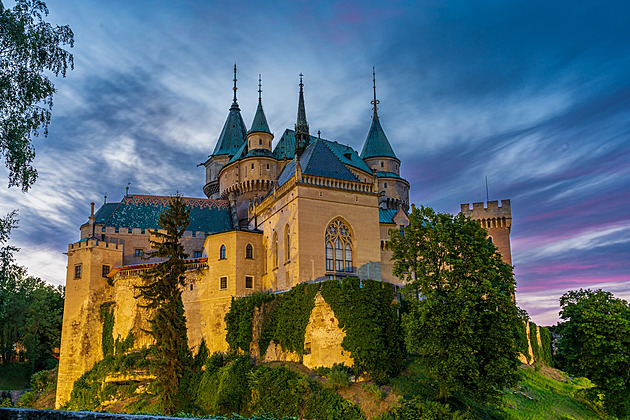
162	294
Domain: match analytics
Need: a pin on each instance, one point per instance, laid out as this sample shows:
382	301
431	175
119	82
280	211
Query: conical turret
302	136
376	143
234	132
259	135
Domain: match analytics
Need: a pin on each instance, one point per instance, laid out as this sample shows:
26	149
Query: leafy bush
374	390
419	408
223	387
42	380
338	378
281	392
26	400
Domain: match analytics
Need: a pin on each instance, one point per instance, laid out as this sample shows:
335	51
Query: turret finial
234	88
374	102
259	89
301	127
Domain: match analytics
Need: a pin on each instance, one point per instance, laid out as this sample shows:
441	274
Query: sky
532	94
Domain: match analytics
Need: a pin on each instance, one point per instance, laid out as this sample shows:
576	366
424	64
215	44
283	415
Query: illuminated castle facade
278	212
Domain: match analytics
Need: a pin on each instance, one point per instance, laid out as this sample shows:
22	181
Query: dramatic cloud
533	95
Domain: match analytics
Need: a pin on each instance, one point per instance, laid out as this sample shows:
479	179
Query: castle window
103	229
106	269
223	283
287	242
194	234
274	250
249	282
116	230
249	252
385	184
382	165
196	254
129	230
77	271
138	252
267	166
490	239
142	232
252	166
260	142
222	253
338	247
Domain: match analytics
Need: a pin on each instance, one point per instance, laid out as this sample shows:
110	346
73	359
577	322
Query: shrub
374	390
26	400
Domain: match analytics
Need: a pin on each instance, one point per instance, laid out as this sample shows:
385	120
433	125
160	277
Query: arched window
222	253
338	247
287	242
274	250
249	252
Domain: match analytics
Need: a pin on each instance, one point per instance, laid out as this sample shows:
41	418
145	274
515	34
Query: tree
595	342
463	321
29	46
161	292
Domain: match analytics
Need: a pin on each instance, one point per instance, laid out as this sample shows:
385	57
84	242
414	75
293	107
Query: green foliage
286	320
31	311
521	337
369	318
90	391
6	402
239	319
281	392
595	342
465	328
161	292
43	380
223	388
107	318
124	345
25	400
30	48
374	390
418	408
545	350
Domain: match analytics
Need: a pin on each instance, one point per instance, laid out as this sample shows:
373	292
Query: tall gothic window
274	250
222	252
287	242
338	247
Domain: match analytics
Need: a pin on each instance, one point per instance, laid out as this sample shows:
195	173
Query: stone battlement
491	210
94	243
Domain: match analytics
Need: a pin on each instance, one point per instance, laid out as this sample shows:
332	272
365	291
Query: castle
304	210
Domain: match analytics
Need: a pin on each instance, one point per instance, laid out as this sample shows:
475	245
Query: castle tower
259	136
497	221
302	136
232	137
87	290
380	157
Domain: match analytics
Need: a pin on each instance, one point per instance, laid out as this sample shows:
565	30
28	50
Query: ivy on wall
370	319
364	308
107	318
533	338
285	321
546	350
239	320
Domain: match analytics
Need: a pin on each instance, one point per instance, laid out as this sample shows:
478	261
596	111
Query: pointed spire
260	121
234	132
234	102
302	136
376	143
374	102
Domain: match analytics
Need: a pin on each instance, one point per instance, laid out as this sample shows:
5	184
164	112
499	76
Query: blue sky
535	95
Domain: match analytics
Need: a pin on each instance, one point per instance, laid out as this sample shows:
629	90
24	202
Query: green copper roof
376	143
346	154
259	125
381	174
143	211
233	135
386	215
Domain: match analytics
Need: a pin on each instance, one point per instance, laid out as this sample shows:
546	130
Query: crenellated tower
497	221
380	157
